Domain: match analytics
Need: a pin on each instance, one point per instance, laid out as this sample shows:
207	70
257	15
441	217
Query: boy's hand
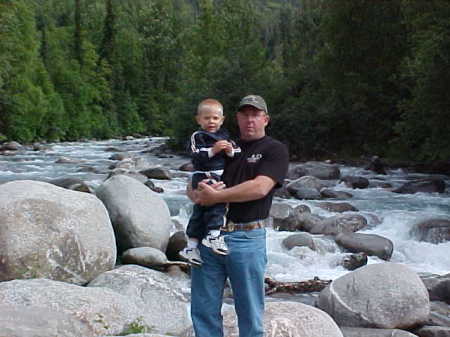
221	145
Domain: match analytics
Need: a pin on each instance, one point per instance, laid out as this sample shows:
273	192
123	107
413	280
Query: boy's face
210	119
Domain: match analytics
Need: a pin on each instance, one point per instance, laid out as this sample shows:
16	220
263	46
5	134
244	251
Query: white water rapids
396	213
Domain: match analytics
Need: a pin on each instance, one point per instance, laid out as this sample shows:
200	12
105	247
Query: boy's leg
214	217
195	231
207	285
246	264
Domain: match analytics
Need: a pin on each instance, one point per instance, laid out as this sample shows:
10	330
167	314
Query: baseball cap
255	101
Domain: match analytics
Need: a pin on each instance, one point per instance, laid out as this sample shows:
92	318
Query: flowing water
390	215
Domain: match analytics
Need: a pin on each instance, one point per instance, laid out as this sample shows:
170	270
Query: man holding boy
250	182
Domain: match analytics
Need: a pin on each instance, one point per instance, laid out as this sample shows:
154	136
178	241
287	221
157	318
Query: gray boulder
140	216
289	319
361	332
384	295
432	230
177	242
353	261
332	194
371	244
307	182
73	184
433	331
355	181
157	173
438	287
299	240
51	232
428	185
340	223
103	311
12	146
159	296
316	169
339	207
22	321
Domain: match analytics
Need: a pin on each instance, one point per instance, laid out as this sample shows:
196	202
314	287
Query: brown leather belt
230	226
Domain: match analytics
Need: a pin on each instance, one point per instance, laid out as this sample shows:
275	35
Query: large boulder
432	230
316	169
289	319
428	185
51	232
371	244
299	240
438	287
330	193
140	216
384	295
341	223
433	331
103	311
22	321
158	295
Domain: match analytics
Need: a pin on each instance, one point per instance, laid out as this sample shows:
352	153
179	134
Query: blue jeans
244	266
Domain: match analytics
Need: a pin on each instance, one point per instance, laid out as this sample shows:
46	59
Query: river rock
157	173
439	314
299	240
354	261
371	244
289	319
384	295
316	169
339	207
429	185
438	287
119	156
73	184
11	146
355	181
376	165
67	160
340	223
177	242
186	167
149	257
51	232
330	193
159	296
307	182
432	331
299	217
129	173
103	311
140	216
432	230
361	332
22	321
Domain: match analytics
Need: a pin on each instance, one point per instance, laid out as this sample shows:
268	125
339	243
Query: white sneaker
191	255
216	243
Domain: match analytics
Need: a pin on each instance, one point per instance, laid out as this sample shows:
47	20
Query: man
250	181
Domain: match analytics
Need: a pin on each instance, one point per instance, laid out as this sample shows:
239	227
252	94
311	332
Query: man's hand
221	145
206	194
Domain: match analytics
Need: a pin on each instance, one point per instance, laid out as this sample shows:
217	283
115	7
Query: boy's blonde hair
210	103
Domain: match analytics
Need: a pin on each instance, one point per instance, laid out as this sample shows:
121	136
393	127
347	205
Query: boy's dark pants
205	218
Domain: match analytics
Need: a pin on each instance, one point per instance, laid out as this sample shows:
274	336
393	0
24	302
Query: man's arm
253	189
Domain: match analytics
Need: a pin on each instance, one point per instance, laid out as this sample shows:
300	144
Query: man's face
252	122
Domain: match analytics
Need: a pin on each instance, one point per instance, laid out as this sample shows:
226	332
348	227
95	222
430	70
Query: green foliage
341	77
135	327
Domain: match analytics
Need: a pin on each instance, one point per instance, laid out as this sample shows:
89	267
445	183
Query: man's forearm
249	190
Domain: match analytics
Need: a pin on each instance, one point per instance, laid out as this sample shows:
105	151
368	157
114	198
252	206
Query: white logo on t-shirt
254	158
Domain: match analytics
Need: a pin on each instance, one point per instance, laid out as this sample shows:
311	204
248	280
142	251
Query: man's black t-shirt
265	156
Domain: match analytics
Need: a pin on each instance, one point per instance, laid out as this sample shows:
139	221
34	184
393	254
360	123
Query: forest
342	78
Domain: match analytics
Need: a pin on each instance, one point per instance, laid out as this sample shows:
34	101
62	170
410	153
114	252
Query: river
397	213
